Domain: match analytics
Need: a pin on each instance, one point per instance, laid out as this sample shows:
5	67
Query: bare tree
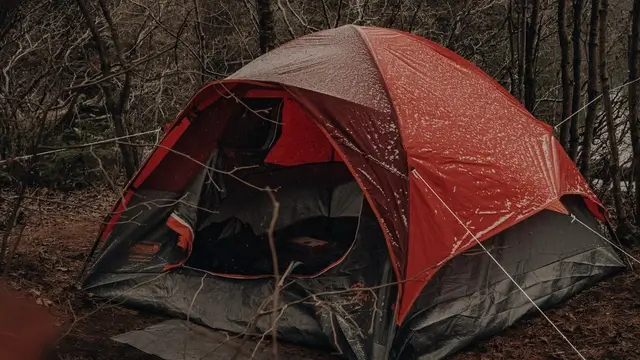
592	92
516	12
574	135
267	31
394	11
634	48
522	39
30	107
531	47
564	69
201	41
115	104
614	166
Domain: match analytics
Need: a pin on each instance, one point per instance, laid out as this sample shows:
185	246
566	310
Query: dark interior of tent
319	201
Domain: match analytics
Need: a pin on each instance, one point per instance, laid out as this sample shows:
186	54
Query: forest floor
603	322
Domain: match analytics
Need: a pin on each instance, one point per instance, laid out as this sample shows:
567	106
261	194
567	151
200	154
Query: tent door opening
315	227
270	143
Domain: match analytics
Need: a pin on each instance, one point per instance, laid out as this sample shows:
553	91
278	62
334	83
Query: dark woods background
76	72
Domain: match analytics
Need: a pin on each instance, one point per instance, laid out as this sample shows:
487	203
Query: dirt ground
602	322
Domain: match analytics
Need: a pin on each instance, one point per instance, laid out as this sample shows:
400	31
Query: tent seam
383	82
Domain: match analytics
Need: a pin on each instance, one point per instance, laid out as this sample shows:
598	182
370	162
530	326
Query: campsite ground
603	322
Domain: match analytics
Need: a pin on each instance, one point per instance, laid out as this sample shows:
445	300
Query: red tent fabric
439	148
302	142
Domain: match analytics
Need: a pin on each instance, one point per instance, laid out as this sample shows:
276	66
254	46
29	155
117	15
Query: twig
289	270
205	166
335	335
590	102
360	289
73	313
12	253
81	146
245	334
186	338
133	65
12	221
276	272
108	304
273	331
104	171
64	203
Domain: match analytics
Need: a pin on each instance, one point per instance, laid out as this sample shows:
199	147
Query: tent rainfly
392	160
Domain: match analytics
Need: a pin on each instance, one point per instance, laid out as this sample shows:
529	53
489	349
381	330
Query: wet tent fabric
490	161
436	146
471	298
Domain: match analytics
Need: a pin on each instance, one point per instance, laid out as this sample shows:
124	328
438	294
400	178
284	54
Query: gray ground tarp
180	340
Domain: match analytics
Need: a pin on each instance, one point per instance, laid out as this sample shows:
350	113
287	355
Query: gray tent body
469	299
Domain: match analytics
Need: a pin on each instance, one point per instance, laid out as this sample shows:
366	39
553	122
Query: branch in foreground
73	147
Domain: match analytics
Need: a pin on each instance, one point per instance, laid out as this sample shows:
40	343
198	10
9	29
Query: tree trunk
592	92
512	52
115	109
564	69
614	167
130	153
530	55
267	31
201	37
414	16
633	100
574	135
395	10
6	9
522	39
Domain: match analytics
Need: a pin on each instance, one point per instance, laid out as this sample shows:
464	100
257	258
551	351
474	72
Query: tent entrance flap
315	227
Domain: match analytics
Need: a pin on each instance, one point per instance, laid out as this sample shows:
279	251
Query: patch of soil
602	322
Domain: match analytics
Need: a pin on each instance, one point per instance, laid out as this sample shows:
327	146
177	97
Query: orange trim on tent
185	239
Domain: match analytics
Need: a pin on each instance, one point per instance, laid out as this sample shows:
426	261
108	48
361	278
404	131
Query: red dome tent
443	155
